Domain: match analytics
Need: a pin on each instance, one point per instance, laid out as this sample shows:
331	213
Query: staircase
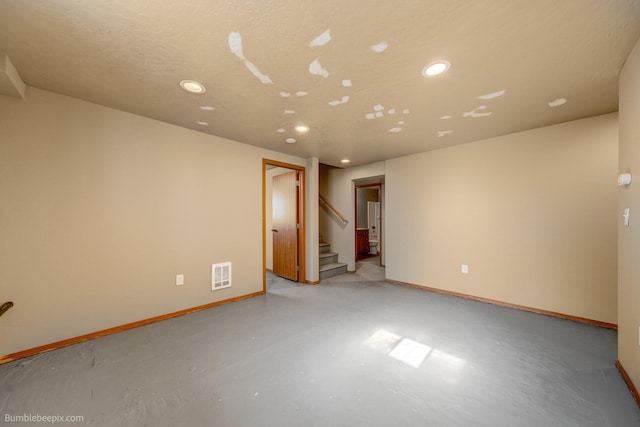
329	265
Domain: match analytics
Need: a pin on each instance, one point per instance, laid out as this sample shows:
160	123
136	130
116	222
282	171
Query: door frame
301	208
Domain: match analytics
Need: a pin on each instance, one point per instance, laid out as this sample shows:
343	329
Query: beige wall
101	209
629	237
533	214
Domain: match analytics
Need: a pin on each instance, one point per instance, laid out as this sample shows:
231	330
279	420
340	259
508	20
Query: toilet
373	247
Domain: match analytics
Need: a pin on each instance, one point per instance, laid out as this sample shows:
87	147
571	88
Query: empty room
339	213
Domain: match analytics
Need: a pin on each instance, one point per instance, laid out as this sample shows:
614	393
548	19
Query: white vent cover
220	276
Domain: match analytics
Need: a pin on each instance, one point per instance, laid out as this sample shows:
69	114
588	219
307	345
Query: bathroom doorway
369	220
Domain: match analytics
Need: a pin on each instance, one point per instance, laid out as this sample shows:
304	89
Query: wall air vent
220	276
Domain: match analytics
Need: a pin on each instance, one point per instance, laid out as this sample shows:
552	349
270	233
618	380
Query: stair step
324	247
333	269
328	258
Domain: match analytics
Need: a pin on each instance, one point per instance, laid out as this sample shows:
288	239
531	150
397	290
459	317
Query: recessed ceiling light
193	86
290	140
203	123
436	68
207	108
345	161
302	128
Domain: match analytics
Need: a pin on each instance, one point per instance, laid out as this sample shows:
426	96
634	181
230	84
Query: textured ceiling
270	65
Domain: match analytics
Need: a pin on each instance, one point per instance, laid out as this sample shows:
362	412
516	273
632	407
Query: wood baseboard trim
312	282
75	340
510	305
629	382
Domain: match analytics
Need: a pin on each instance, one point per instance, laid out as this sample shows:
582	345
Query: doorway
369	221
283	221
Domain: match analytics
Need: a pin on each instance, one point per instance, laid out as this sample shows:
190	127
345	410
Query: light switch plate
179	279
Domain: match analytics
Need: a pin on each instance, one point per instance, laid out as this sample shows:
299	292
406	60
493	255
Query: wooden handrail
6	306
332	209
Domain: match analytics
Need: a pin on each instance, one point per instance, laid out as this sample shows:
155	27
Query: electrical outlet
464	269
179	279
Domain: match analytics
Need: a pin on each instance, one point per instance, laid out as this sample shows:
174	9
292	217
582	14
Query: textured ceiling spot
401	122
344	100
302	93
285	94
379	114
406	111
370	116
235	44
378	107
557	102
281	130
322	39
475	114
380	47
395	130
445	117
254	70
207	108
442	133
289	112
346	83
492	95
316	68
391	111
202	123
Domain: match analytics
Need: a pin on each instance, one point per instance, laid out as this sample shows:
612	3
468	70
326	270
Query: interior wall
323	218
312	252
101	209
532	214
629	237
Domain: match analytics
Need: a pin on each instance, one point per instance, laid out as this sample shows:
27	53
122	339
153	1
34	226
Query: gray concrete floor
352	351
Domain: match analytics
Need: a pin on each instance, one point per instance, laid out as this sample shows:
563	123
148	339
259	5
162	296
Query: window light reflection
414	353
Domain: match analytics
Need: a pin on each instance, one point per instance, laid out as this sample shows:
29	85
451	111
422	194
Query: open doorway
369	220
283	221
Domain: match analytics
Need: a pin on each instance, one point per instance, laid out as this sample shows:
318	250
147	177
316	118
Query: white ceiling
264	74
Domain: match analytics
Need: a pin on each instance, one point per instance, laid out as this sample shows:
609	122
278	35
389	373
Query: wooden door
285	225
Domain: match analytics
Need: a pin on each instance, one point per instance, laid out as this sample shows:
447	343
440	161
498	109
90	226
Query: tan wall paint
533	214
101	209
629	237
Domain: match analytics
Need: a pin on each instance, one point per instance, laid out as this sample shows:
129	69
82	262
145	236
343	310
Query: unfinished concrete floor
353	351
